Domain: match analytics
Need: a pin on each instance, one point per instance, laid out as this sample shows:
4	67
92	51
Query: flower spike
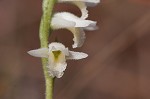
82	5
57	55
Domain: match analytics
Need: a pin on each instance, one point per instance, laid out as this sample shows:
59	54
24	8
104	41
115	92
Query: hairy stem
45	31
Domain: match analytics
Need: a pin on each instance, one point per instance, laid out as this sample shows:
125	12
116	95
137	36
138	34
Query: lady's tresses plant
55	54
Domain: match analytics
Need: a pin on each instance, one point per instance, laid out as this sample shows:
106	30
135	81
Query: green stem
45	31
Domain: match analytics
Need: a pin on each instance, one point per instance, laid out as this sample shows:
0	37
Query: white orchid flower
74	24
82	5
57	55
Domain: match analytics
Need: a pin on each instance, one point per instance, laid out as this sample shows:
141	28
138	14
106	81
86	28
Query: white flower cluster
57	53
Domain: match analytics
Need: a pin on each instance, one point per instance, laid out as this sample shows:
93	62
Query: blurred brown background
118	66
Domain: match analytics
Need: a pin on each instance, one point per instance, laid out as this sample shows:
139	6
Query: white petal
57	66
77	30
88	1
76	55
92	2
82	5
78	21
79	36
58	22
91	28
58	46
57	71
42	52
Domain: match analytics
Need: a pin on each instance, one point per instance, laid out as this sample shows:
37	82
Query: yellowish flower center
56	54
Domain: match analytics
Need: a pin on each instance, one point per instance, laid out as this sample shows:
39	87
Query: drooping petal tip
79	37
